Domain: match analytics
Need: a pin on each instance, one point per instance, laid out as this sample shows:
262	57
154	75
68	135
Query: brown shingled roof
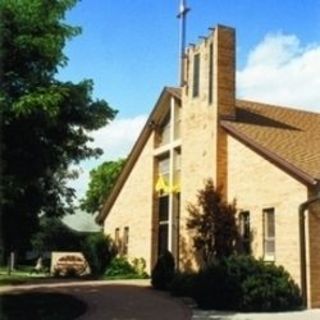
287	136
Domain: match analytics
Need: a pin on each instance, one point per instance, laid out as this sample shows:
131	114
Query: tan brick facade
257	184
133	207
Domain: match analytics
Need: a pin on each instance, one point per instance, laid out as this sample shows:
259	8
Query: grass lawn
40	306
19	276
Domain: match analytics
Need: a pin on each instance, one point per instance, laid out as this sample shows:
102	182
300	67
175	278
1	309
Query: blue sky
130	50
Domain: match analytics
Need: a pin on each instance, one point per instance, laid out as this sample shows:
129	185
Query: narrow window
162	184
163	224
196	75
245	232
210	73
125	241
163	209
269	233
163	239
164	135
117	238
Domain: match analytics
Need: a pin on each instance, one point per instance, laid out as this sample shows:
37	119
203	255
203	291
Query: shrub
163	272
270	289
216	289
183	284
120	267
139	265
98	250
244	283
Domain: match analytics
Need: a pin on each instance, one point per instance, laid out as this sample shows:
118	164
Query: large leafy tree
44	122
102	180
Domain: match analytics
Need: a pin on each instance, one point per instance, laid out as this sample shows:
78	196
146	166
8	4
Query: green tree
213	222
44	121
102	180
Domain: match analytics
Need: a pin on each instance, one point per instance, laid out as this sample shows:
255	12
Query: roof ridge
294	109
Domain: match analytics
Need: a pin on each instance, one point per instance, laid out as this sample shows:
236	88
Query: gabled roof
288	137
157	114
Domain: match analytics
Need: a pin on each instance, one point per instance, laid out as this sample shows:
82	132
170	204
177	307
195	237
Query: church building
266	157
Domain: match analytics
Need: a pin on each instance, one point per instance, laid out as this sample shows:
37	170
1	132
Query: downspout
303	254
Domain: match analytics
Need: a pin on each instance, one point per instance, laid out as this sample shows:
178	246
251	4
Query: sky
130	50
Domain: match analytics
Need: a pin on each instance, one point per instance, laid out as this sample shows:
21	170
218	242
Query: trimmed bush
163	272
244	283
270	289
98	250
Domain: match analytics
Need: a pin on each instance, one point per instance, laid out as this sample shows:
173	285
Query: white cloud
116	140
281	70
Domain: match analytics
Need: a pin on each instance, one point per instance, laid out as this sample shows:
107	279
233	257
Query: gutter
303	254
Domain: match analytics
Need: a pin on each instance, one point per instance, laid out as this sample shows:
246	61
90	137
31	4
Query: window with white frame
269	233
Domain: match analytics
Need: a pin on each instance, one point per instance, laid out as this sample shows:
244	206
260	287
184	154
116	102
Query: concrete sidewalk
313	314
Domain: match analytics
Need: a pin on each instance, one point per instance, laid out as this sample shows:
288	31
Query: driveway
135	300
117	300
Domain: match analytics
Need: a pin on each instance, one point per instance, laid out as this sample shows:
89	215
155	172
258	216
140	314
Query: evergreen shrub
163	272
246	284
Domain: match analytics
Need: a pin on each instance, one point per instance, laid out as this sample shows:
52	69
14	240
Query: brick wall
257	184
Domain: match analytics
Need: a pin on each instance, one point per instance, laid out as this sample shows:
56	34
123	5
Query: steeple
183	11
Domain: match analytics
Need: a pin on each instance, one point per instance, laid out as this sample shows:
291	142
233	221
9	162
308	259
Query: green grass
19	276
40	306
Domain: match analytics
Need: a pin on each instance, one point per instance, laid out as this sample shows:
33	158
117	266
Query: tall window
245	232
163	224
163	182
117	239
269	233
125	241
196	75
165	132
177	122
210	95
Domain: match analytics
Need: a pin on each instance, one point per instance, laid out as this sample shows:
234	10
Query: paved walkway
219	315
135	300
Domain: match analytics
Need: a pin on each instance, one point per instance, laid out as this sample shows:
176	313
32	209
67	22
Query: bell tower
208	95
